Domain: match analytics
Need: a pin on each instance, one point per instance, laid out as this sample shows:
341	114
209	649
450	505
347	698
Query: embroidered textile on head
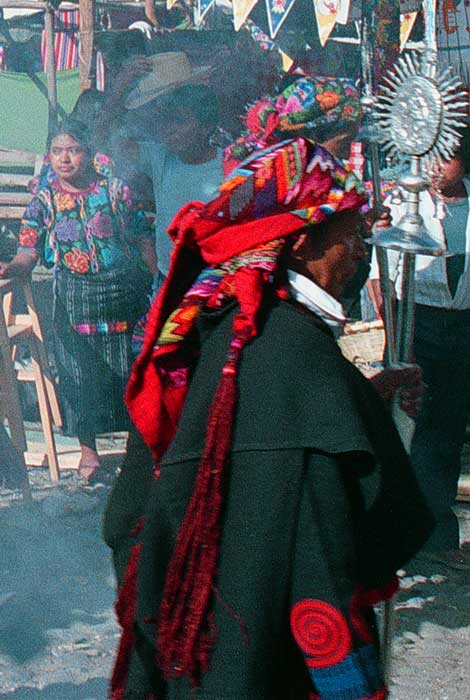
307	105
227	249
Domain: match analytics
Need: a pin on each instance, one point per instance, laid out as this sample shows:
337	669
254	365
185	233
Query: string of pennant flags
328	14
395	23
452	17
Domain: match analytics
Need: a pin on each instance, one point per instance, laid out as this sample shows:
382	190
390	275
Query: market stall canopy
24	108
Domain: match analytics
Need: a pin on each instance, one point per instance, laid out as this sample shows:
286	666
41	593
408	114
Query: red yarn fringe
364	597
379	695
132	695
186	632
126	607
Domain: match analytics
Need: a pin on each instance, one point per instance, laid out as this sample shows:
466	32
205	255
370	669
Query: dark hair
74	128
200	99
86	106
329	131
118	47
464	148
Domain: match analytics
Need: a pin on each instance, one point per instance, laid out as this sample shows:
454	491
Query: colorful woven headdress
227	249
314	105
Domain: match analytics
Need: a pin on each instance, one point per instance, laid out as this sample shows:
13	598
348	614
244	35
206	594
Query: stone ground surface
58	632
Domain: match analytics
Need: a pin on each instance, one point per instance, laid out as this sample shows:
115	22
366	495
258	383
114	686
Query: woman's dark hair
88	103
74	128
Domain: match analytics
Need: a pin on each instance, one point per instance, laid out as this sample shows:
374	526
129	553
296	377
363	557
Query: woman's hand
4	270
407	381
148	255
21	264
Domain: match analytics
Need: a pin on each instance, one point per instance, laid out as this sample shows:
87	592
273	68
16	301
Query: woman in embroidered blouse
81	223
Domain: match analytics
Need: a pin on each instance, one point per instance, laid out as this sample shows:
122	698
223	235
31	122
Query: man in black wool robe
274	501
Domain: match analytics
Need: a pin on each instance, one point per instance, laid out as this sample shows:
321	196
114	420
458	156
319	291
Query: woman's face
68	158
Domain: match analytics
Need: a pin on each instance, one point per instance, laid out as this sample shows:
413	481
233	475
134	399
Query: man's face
182	132
451	173
345	247
331	257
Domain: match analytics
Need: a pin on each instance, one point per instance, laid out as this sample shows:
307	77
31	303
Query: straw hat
170	70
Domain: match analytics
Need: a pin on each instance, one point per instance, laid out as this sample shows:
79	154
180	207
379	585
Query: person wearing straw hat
280	501
181	159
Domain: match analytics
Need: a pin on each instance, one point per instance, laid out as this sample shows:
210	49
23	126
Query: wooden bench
17	169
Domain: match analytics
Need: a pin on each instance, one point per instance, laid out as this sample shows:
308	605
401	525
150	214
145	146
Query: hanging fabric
65	42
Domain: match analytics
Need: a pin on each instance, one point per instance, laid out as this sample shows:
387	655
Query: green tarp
23	108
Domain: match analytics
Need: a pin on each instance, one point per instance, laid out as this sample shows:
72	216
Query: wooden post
50	66
86	42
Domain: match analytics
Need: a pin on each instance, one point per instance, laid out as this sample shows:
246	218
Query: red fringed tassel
121	695
366	597
186	632
126	607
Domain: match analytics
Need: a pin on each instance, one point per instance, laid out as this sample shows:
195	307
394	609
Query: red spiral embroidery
321	631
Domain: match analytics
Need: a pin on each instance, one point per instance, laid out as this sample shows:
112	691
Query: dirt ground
58	632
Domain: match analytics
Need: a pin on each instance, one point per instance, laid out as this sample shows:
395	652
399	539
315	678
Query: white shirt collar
317	300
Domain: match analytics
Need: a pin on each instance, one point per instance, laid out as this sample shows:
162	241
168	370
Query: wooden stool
25	328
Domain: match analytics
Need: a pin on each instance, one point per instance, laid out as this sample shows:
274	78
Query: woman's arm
147	252
137	228
20	265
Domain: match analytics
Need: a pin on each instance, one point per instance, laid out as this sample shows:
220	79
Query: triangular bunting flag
287	61
241	12
407	22
202	8
259	36
277	12
326	12
342	16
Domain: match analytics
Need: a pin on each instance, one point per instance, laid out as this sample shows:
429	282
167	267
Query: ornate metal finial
420	108
418	114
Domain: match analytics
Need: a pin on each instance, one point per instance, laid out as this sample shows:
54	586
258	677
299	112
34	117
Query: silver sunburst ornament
420	108
418	115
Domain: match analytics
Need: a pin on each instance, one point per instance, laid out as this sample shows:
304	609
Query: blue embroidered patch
358	676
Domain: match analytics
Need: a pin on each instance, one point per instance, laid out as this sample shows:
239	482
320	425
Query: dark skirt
93	320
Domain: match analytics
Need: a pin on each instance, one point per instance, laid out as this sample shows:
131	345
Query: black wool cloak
321	509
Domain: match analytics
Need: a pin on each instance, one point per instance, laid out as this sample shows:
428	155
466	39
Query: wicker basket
363	344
